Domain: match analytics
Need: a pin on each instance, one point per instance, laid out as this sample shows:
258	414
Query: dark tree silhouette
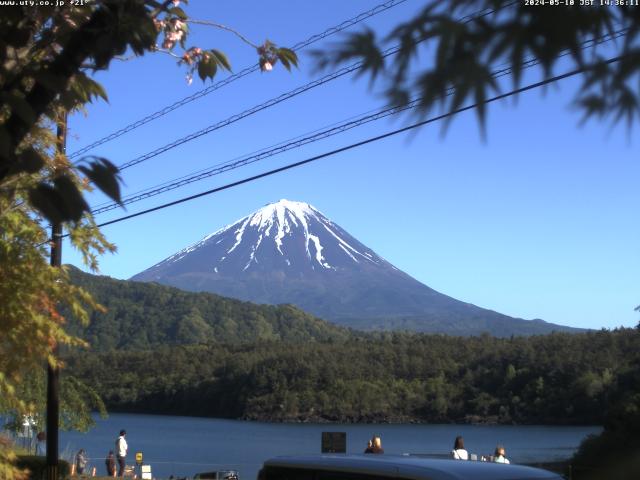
458	44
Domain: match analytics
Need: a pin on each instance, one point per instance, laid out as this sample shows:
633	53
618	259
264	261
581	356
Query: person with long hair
459	452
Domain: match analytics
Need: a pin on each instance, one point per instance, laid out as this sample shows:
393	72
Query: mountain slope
143	315
289	252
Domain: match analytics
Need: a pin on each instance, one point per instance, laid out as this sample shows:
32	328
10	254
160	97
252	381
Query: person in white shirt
458	452
121	452
500	455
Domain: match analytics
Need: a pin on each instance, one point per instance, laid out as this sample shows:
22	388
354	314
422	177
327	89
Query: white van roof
411	468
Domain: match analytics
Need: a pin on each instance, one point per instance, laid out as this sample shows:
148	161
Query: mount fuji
289	252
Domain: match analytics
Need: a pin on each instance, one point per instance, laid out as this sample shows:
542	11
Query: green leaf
285	62
96	89
178	12
5	143
221	59
82	89
212	68
20	107
72	205
60	202
87	88
30	161
105	175
202	69
480	96
54	83
289	55
44	199
593	105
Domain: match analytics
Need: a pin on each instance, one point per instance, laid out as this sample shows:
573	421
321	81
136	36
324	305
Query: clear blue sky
538	221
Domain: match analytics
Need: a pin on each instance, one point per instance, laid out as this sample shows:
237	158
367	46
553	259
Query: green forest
144	316
390	377
158	349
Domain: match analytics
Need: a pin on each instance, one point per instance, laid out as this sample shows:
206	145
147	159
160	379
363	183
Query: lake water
183	446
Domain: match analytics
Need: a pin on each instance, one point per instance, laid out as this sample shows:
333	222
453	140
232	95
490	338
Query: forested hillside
145	315
552	379
162	350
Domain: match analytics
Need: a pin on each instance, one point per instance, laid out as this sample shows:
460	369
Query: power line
251	111
286	96
203	171
312	137
466	19
511	93
266	153
232	78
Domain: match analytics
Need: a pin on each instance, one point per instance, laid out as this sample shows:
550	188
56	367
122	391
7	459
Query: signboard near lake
334	442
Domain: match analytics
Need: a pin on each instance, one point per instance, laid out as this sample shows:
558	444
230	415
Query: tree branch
156	48
223	27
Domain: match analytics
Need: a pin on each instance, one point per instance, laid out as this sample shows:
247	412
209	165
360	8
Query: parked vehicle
392	467
218	475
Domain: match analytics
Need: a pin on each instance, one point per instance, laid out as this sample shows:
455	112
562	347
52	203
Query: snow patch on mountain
247	238
239	233
344	244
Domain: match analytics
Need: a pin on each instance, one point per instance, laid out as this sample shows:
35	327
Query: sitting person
458	452
369	448
375	445
500	455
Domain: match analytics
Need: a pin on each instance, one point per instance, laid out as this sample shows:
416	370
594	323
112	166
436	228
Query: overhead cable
352	146
311	138
236	76
251	111
286	96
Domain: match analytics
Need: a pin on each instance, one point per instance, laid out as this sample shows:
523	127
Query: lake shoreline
367	419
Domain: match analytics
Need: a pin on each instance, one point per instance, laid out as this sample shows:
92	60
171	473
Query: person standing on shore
81	461
41	444
121	452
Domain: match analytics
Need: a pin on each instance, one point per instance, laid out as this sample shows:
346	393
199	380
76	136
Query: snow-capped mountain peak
277	220
281	213
289	252
285	235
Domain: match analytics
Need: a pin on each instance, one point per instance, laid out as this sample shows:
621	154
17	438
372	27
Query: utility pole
53	373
